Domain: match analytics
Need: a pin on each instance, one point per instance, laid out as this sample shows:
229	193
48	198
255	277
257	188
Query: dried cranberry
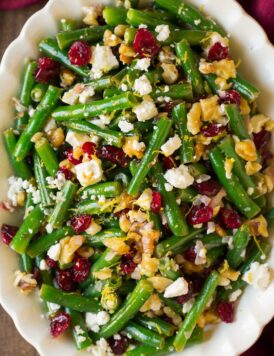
230	97
67	173
261	139
81	222
89	148
70	157
218	52
210	187
167	319
79	53
190	254
266	154
81	269
168	163
212	130
145	43
118	345
169	107
47	70
226	311
127	264
113	154
51	263
59	323
64	279
230	218
7	233
200	214
156	202
166	229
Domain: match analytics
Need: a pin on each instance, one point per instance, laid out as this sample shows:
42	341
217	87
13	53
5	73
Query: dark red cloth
16	4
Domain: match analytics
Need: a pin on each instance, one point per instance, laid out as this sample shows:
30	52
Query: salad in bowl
142	165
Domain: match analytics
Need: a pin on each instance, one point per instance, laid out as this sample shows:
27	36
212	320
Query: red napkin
15	4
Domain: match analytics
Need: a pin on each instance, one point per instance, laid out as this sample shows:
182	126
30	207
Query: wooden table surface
11	342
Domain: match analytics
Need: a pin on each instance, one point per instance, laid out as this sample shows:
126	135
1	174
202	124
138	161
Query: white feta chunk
201	251
76	139
90	172
163	32
145	199
103	60
86	94
177	288
171	145
142	85
258	275
146	110
125	126
93	228
179	177
54	252
143	64
94	321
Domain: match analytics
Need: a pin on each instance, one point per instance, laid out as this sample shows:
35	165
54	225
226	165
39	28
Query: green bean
236	121
211	80
190	15
195	312
70	300
89	34
145	350
128	310
115	16
93	207
197	169
240	241
111	92
190	67
227	146
112	137
68	24
97	240
26	263
167	268
28	83
256	255
144	335
233	186
94	290
21	168
187	149
28	230
158	138
116	78
36	122
161	14
101	83
47	155
67	194
155	218
40	176
94	108
38	92
106	260
44	242
175	218
181	91
80	333
186	195
172	304
175	243
270	217
156	324
247	90
110	221
194	37
21	121
214	254
136	18
106	189
51	49
123	178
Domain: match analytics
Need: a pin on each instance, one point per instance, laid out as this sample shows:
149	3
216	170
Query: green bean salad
142	165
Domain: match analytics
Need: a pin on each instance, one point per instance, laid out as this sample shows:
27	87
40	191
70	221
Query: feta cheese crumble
142	85
125	126
143	64
177	288
163	32
171	145
90	172
258	275
94	321
103	61
179	177
54	252
146	110
201	251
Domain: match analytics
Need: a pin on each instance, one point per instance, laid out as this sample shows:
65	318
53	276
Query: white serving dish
250	44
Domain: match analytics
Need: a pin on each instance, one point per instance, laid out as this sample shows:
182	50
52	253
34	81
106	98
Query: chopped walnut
245	108
246	149
132	147
56	137
170	74
154	303
252	168
67	77
25	282
91	14
117	244
110	39
36	137
120	30
258	122
103	274
208	317
85	251
69	245
224	68
127	53
210	108
149	265
229	162
194	119
160	283
258	226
